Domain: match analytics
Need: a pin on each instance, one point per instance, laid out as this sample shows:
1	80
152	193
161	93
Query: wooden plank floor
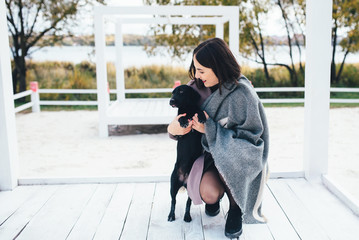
295	209
141	111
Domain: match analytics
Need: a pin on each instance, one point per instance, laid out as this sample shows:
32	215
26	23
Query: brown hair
214	53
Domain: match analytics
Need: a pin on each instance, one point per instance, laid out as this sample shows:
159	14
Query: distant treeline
88	40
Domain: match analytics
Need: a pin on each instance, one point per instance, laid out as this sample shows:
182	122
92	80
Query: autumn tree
180	39
29	21
293	16
253	43
345	22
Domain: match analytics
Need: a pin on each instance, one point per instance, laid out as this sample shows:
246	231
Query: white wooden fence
36	102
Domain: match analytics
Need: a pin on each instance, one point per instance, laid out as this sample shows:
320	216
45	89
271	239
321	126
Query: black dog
189	146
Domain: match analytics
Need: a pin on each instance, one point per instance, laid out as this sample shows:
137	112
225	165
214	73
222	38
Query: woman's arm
174	128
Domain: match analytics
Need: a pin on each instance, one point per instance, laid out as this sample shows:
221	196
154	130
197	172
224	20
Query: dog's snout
172	102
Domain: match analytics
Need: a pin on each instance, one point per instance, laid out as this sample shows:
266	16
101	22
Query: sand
66	143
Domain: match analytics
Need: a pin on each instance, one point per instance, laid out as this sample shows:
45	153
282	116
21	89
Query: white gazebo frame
8	140
317	89
158	110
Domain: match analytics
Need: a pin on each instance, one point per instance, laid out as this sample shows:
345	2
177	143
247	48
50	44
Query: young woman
235	138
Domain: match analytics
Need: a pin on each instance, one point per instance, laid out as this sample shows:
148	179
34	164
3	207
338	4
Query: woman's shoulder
192	83
245	89
243	81
245	85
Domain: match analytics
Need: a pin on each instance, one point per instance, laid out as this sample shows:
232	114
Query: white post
234	31
219	30
120	72
317	87
101	73
8	140
35	96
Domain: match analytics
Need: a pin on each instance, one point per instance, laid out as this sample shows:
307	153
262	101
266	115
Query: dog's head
183	96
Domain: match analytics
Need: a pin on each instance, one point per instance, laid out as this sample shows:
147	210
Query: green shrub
66	75
350	76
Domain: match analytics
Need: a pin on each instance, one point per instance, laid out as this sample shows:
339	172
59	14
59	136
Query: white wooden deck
295	209
141	111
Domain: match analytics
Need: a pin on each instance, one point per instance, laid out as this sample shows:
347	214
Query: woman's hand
175	129
197	125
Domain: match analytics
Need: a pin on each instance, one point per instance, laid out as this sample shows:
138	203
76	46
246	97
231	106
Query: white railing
35	92
337	100
26	105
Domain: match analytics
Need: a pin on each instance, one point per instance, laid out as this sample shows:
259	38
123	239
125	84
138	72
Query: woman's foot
233	228
212	209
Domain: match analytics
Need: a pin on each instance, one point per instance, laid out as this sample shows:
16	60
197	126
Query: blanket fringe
259	200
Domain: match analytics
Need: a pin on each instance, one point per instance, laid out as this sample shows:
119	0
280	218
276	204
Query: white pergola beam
219	30
8	140
176	20
317	87
167	10
120	78
234	31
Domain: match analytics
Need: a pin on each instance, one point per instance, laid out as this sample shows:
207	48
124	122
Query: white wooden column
234	31
101	72
120	71
8	140
317	87
219	30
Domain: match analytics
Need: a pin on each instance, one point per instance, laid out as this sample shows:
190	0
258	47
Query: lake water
136	56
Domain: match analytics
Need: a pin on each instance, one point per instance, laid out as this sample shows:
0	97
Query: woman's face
205	74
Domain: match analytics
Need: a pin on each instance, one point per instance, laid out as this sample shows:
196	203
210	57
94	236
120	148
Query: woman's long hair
214	53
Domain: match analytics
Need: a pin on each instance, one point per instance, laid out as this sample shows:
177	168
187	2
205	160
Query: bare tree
346	19
252	40
30	21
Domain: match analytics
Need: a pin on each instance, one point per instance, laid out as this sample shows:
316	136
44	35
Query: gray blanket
237	137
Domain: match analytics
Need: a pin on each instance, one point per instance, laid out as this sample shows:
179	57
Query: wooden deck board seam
269	230
84	207
305	205
284	212
104	212
27	223
20	206
128	210
149	220
22	229
200	214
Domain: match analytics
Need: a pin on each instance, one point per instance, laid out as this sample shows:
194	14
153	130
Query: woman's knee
210	195
211	188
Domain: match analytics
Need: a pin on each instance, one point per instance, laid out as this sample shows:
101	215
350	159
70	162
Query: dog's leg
175	186
187	215
201	117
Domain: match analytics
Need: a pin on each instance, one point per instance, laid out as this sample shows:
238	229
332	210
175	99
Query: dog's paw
171	217
187	217
201	117
183	122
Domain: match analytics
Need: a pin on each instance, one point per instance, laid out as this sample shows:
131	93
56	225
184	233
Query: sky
272	26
